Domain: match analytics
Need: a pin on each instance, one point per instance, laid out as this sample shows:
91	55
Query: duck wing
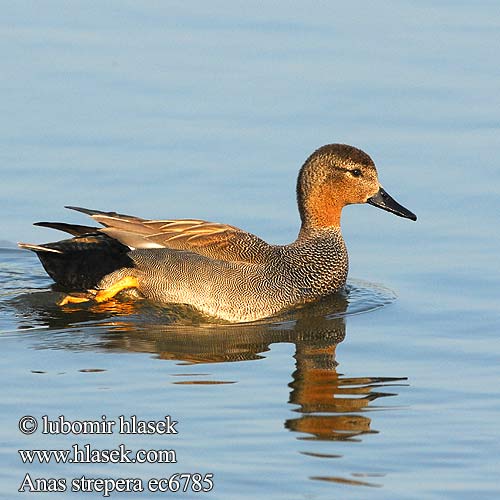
215	240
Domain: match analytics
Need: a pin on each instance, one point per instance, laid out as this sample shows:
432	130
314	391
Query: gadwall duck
219	269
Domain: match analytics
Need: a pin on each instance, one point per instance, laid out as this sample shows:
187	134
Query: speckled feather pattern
304	271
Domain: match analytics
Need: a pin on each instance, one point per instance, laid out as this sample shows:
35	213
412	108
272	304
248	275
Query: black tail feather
73	229
79	263
91	212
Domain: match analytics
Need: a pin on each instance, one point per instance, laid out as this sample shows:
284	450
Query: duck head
337	175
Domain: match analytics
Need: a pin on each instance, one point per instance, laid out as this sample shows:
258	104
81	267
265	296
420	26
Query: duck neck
311	231
320	210
314	226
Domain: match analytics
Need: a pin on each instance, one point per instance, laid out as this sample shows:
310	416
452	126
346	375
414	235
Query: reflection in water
319	390
329	406
343	480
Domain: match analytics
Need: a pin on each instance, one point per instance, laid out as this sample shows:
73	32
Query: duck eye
356	172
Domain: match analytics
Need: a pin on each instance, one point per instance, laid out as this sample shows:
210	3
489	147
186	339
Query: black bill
385	202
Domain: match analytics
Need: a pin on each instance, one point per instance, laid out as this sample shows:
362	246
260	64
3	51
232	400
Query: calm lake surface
208	110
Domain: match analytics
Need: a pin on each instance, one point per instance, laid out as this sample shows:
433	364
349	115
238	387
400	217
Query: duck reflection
328	401
329	405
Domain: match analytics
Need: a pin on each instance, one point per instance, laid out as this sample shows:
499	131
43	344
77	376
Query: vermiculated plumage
217	268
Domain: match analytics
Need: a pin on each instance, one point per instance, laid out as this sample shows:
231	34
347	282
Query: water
208	111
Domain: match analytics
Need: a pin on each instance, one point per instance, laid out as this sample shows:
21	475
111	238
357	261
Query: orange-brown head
337	175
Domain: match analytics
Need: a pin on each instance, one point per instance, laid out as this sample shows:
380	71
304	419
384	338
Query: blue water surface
207	110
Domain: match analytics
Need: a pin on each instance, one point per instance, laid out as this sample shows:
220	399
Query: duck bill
386	202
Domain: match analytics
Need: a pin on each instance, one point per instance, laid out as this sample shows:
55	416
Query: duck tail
37	248
73	229
79	263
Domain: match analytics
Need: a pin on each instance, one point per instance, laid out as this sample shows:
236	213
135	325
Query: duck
218	269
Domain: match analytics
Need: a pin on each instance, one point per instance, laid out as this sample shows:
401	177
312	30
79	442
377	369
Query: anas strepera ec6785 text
219	269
